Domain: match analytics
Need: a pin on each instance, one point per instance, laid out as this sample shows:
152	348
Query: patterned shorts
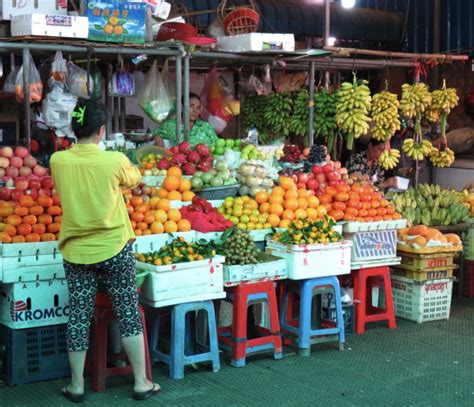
118	273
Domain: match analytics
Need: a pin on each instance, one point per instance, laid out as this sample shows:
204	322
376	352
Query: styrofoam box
183	282
30	262
256	42
34	304
257	235
314	260
9	8
151	243
266	271
354	227
50	25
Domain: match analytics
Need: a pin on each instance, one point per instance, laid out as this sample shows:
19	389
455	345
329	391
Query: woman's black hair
375	142
194	96
88	117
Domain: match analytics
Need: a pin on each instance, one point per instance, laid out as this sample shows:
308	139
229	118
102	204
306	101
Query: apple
34	183
44	191
337	165
332	183
30	161
40	171
7	152
21	183
184	147
16	162
5	194
47	182
333	176
312	184
328	167
317	169
33	193
147	190
4	162
303	178
319	193
25	171
17	194
21	152
12	172
2	172
343	171
320	177
311	176
202	149
301	185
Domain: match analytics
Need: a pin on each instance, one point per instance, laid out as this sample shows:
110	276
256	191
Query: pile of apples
19	163
189	160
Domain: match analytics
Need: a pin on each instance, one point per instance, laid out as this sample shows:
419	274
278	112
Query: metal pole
179	99
327	29
26	92
186	97
311	104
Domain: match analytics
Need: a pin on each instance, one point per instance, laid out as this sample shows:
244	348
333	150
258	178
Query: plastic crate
32	355
422	275
427	262
468	281
421	302
373	245
314	260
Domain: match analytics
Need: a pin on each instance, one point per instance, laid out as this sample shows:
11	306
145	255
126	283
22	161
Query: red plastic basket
176	31
242	20
200	40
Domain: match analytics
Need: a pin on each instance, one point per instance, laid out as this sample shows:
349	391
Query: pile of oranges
357	202
30	221
286	202
175	187
419	236
154	215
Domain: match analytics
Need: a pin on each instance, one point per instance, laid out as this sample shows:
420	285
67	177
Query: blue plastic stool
301	327
177	359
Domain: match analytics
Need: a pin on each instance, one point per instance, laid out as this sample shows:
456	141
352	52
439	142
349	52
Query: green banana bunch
324	116
352	109
277	113
385	115
299	114
416	99
389	158
252	112
417	151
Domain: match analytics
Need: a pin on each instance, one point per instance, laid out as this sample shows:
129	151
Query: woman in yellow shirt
95	239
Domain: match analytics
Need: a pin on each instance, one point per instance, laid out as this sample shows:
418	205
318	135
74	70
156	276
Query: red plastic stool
103	315
364	281
234	339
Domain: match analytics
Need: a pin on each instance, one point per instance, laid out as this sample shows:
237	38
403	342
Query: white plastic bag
122	84
153	97
58	106
35	84
9	85
77	81
58	68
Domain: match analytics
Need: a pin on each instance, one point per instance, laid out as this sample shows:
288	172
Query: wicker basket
219	192
238	20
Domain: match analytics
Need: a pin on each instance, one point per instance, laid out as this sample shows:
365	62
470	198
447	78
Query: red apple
44	191
25	171
5	194
312	184
317	169
21	183
33	193
328	167
21	152
56	200
12	172
320	177
303	178
47	182
34	183
17	194
16	162
337	165
301	185
7	152
30	161
4	162
311	176
40	171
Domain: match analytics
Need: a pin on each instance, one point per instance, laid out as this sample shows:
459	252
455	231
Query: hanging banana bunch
444	100
324	116
352	110
416	100
389	157
277	113
299	114
385	116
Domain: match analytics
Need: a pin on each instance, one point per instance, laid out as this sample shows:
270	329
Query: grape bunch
317	154
291	154
240	248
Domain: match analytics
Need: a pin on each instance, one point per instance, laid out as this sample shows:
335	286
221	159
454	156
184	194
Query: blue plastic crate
31	355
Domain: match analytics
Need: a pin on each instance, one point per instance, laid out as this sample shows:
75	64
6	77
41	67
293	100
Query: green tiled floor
415	365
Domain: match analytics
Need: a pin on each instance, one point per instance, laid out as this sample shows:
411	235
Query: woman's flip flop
75	398
144	395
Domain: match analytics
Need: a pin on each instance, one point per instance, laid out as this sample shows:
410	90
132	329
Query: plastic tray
314	260
423	275
353	227
32	355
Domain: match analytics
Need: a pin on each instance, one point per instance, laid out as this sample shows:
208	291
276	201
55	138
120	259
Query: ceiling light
348	3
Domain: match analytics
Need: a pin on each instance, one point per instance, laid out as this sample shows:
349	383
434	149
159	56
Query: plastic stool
180	332
365	311
103	315
234	339
301	326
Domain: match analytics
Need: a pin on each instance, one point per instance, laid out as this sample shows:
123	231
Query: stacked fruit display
149	165
204	217
189	160
421	236
431	205
239	248
250	152
30	220
18	163
243	212
219	176
305	231
224	145
291	154
253	178
177	251
174	187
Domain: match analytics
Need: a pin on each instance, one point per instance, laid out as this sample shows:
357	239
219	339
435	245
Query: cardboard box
34	304
117	21
10	8
50	25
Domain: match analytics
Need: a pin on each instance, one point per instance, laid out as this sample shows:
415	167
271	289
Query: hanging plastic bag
153	97
168	84
9	85
35	84
77	81
58	106
122	84
96	78
58	68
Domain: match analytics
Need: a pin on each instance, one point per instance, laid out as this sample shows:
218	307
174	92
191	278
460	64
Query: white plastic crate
271	268
151	243
30	262
34	304
314	260
183	282
257	235
421	301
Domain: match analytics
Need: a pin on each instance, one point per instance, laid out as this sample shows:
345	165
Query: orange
18	239
174	196
153	202
14	220
286	183
58	219
357	188
291	194
5	238
149	218
55	210
343	188
420	241
136	200
187	196
53	228
36	210
339	206
160	216
47	237
142	226
174	172
161	193
354	204
278	191
365	197
163	204
374	204
325	199
171	226
418	230
45	219
288	214
351	211
275	198
372	212
363	213
21	211
312	213
291	204
184	185
38	228
146	232
273	220
252	204
384	202
6	210
331	191
381	211
141	208
353	196
276	209
284	223
313	201
30	219
157	228
347	217
184	225
265	207
174	215
302	203
10	230
342	196
137	216
24	229
365	205
302	193
261	197
322	211
300	213
138	232
171	183
453	238
336	214
32	238
389	210
27	200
